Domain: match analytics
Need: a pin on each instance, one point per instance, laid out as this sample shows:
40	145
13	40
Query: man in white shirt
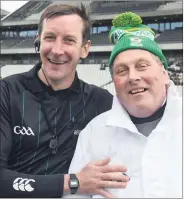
143	130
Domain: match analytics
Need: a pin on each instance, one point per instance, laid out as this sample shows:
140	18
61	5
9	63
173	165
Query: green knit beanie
128	32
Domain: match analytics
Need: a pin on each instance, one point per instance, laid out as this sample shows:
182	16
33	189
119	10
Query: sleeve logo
23	184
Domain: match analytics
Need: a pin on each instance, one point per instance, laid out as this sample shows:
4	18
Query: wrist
66	186
73	183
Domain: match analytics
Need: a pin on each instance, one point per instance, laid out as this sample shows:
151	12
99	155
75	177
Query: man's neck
56	85
157	115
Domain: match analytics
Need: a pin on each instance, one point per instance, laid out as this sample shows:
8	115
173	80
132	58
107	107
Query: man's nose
133	76
58	48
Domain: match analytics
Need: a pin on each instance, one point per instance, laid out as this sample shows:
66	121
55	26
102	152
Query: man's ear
85	49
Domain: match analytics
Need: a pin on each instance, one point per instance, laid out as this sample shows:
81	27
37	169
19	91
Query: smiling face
140	82
62	46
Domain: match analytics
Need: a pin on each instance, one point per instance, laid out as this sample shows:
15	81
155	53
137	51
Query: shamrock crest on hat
129	23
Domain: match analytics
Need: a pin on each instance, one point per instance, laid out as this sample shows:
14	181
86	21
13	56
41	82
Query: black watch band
73	183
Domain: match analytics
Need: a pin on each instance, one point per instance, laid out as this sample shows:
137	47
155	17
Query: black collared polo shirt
39	131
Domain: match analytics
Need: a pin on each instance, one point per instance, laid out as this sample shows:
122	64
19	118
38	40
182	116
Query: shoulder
96	89
17	80
98	94
13	79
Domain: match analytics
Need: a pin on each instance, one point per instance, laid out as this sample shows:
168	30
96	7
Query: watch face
74	183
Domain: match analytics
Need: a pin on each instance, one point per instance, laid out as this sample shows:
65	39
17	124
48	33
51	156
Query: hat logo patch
117	35
135	41
143	34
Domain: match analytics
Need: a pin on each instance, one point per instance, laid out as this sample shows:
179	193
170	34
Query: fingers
116	176
113	168
105	193
102	162
113	184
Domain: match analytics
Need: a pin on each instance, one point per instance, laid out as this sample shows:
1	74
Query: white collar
118	116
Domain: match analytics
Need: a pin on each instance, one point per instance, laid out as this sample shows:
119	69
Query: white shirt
154	163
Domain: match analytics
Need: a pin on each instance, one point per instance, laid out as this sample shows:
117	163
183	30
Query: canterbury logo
23	184
23	130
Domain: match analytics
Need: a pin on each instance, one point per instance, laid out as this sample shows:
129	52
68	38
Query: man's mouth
56	62
137	90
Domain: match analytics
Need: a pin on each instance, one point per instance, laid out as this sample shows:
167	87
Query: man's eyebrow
49	33
136	61
71	36
121	65
141	59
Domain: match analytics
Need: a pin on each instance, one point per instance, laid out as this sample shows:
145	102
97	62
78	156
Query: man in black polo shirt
43	112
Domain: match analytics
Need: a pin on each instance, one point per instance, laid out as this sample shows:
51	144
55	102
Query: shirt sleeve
12	183
80	158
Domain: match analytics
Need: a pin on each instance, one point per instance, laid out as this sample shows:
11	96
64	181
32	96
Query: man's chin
56	78
140	110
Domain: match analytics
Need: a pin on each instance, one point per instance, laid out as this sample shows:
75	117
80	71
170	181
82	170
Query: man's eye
122	71
70	40
48	37
143	66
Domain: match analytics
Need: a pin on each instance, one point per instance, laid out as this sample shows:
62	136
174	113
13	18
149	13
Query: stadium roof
30	12
4	12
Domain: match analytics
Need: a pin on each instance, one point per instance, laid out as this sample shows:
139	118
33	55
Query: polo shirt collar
36	86
118	117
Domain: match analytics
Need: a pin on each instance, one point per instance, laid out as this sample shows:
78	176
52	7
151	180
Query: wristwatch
73	183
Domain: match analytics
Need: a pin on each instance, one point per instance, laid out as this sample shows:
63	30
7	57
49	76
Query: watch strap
73	189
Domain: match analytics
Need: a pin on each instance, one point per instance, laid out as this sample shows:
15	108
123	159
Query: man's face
62	46
140	82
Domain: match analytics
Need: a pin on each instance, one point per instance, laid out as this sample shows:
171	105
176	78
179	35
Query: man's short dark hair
54	10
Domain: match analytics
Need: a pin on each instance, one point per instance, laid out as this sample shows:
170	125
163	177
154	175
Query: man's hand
98	175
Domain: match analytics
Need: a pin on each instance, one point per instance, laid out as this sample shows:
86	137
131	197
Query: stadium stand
19	29
7	43
167	36
89	73
24	43
101	38
171	5
31	7
101	7
3	13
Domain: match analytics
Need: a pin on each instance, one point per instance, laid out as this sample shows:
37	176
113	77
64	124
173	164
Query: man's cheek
119	83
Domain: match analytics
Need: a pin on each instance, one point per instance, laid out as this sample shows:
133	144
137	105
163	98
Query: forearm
19	185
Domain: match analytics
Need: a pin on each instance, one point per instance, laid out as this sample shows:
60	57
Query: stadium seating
20	50
9	42
32	7
25	43
92	74
100	39
88	73
37	10
105	7
167	36
171	6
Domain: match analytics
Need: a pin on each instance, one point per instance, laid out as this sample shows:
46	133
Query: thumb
102	162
